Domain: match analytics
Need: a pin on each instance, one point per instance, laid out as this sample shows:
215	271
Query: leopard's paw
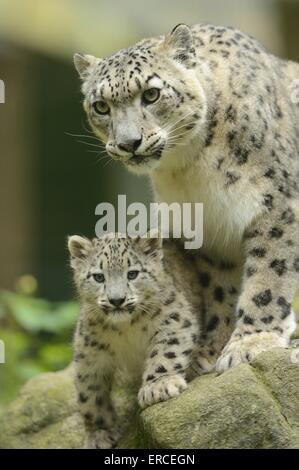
246	348
161	390
204	359
101	439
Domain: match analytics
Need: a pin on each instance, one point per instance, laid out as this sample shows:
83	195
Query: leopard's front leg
220	286
264	316
169	355
94	371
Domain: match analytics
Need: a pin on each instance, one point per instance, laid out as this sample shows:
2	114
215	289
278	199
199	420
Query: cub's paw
161	390
101	439
204	359
245	349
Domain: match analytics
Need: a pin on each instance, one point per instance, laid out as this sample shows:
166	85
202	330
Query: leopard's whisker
172	125
82	136
89	144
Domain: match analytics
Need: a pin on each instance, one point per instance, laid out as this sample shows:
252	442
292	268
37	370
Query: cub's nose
130	145
117	301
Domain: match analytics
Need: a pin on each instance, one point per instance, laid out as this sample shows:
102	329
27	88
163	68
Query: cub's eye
132	275
151	95
98	277
101	107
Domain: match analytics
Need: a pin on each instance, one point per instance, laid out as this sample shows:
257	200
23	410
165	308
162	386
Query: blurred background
51	181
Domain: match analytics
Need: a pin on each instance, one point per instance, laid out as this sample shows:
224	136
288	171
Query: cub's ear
181	44
79	247
84	64
150	243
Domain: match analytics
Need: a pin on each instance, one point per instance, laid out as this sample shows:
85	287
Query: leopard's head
146	100
118	276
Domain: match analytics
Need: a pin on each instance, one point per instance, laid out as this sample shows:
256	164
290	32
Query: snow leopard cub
138	315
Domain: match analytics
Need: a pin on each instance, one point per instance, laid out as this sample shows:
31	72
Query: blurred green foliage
37	335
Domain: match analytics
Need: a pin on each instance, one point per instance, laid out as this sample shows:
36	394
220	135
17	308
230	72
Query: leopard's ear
79	247
180	43
150	243
84	64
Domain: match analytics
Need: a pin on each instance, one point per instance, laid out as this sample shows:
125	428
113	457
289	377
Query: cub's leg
93	380
264	316
220	284
170	353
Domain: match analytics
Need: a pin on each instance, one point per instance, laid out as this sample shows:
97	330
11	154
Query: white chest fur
227	209
130	345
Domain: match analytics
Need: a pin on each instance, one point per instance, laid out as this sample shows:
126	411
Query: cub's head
117	275
145	100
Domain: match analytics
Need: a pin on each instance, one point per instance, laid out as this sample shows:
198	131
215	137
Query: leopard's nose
117	301
130	145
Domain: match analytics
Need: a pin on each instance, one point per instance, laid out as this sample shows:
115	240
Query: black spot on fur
258	252
186	324
268	201
219	294
88	417
150	377
100	423
231	114
194	338
285	307
249	234
161	370
231	178
277	328
187	352
83	398
263	298
270	173
288	216
275	232
170	355
279	266
241	155
240	312
170	299
99	401
204	279
173	341
175	316
213	323
267	319
250	271
248	320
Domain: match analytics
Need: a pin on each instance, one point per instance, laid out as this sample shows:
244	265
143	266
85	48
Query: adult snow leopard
208	113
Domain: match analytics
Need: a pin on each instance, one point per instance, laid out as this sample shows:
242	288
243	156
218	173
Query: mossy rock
249	406
44	415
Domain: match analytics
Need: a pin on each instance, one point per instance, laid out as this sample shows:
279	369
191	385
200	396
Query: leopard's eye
132	275
101	107
99	277
151	95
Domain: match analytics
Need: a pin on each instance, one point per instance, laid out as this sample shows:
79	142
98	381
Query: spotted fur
223	132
